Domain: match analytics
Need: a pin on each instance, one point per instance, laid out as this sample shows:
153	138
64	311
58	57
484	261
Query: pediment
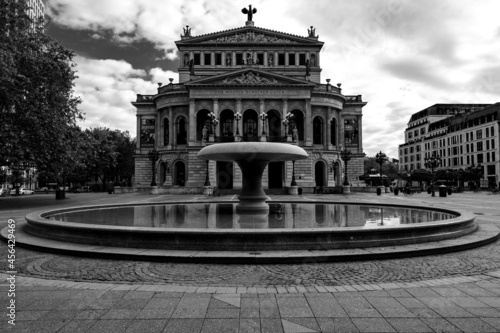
249	35
249	77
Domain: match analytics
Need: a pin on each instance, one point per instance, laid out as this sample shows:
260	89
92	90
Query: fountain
252	158
253	229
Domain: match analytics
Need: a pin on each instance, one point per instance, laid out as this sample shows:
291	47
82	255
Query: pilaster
192	121
308	124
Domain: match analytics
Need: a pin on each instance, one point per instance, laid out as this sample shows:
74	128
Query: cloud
107	88
413	70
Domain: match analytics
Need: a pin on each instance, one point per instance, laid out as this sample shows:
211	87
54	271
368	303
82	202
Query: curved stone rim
269	151
40	218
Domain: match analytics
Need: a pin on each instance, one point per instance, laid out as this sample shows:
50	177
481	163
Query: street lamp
154	155
345	155
237	117
263	116
432	162
207	180
380	158
293	183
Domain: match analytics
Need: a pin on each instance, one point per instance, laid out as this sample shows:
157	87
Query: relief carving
252	37
249	78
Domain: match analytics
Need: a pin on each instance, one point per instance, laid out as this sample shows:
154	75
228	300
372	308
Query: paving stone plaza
452	292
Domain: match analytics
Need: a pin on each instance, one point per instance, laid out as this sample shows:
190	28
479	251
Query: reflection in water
280	216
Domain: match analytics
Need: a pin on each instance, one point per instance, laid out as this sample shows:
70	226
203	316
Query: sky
402	56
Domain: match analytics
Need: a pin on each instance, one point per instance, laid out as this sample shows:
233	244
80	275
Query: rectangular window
461	160
239	58
491	170
471	136
480	146
281	59
493	156
480	158
415	133
260	57
302	59
487	157
291	59
492	143
422	131
487	144
467	149
218	59
411	150
208	59
487	134
468	159
471	147
472	159
410	135
479	134
197	59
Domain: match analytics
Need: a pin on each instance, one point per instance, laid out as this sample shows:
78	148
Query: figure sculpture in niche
295	134
204	133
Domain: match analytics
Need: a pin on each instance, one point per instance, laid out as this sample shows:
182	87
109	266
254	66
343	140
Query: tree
38	111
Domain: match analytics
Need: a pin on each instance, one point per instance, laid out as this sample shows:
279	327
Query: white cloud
107	87
413	53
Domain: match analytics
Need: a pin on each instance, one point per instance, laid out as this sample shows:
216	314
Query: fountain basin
252	240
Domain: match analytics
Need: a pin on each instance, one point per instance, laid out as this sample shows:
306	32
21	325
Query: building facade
247	84
36	9
463	135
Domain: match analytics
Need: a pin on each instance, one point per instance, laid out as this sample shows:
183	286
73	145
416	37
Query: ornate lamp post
237	117
263	117
207	180
293	183
380	158
432	162
153	157
345	155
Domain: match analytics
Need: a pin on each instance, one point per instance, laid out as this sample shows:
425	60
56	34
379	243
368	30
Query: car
3	192
22	191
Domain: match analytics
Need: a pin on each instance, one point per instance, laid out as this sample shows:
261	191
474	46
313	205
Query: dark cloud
416	71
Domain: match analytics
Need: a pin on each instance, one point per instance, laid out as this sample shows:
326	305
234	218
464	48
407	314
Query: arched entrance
297	121
202	120
181	131
275	175
274	124
179	173
163	173
227	125
225	175
250	121
319	173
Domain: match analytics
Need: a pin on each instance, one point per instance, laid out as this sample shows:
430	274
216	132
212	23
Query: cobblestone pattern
52	266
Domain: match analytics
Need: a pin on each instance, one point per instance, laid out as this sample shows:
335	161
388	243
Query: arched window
181	131
202	120
274	124
317	130
227	124
333	132
298	122
165	131
250	125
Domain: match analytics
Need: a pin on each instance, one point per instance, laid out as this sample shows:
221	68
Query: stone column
202	58
360	133
233	62
192	122
212	59
138	141
308	124
216	112
223	59
328	142
275	59
266	61
286	59
170	128
296	58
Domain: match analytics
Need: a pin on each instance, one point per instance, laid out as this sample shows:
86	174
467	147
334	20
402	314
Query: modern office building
247	84
36	9
462	135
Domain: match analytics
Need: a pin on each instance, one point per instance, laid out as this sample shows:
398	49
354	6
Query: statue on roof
312	31
187	31
249	12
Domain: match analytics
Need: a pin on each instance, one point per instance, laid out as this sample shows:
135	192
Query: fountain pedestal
252	158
